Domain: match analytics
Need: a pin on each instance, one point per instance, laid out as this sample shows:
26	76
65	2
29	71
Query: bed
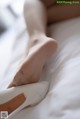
62	71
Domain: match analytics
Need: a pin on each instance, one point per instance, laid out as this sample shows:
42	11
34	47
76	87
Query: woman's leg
59	12
42	47
48	3
62	12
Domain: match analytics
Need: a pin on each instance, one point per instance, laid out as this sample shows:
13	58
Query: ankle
39	37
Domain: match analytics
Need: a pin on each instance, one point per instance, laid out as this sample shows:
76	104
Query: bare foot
32	67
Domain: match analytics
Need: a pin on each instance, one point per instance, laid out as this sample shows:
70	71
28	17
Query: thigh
58	13
48	3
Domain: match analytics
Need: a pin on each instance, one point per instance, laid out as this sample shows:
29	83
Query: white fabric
63	73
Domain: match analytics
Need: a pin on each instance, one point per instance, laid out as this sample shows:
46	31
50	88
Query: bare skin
31	70
62	12
42	47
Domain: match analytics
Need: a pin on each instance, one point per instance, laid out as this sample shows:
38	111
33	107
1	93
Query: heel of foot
53	44
51	47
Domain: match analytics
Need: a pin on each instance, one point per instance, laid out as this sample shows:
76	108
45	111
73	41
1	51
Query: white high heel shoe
30	94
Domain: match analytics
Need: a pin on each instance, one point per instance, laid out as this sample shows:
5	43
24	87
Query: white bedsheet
62	71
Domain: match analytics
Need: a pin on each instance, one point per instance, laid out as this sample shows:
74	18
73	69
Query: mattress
62	71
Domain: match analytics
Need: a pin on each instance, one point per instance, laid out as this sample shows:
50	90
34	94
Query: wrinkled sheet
62	72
